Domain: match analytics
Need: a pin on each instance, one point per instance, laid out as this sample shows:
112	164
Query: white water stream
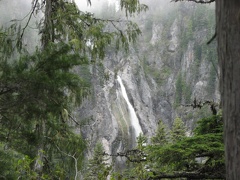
134	119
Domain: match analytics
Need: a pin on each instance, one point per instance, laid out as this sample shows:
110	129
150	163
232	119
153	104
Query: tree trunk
48	26
228	36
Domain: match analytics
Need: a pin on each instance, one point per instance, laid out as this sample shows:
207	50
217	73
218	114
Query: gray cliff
167	68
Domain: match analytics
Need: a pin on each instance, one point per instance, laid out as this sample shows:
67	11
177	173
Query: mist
14	10
19	9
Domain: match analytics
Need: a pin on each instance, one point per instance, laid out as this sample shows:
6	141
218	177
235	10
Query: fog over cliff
168	67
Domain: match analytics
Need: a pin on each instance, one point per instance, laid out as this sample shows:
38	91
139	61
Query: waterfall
133	116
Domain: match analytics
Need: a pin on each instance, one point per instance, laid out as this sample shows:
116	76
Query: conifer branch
74	120
133	155
200	104
196	1
212	38
188	175
74	158
28	21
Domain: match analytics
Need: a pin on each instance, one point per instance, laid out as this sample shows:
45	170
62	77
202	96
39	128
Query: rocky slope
168	67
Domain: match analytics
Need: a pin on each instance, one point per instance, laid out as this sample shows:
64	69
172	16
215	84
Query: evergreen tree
38	91
161	135
179	90
137	163
159	140
178	131
33	95
229	58
139	167
198	157
98	168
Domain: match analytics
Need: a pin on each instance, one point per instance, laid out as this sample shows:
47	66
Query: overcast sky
84	6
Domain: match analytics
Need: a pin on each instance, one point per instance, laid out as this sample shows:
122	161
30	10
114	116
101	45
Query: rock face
168	67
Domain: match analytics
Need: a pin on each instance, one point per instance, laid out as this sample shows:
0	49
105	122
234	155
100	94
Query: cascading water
134	120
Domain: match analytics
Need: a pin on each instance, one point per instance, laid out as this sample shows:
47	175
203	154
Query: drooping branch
19	42
188	175
74	120
199	104
196	1
133	155
74	158
213	37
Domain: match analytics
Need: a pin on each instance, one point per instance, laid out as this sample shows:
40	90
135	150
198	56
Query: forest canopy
40	88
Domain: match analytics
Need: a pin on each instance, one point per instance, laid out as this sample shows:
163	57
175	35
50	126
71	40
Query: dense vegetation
171	154
200	156
39	90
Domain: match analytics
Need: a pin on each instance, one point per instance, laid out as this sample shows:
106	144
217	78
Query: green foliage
178	131
36	88
34	91
8	162
45	76
98	169
198	57
179	90
138	170
182	156
200	19
183	91
161	137
65	150
201	154
213	74
136	162
132	6
159	75
24	170
148	29
213	124
88	34
211	84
